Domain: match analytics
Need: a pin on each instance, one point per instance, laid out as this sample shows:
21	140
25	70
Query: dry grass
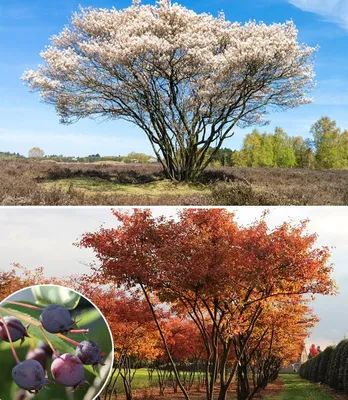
24	182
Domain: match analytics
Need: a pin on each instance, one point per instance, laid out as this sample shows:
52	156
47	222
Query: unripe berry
89	353
39	355
29	375
17	330
67	370
56	319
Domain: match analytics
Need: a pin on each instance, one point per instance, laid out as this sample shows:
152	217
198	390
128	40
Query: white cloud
332	10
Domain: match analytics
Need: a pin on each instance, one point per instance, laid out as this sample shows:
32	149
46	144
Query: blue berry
45	347
56	319
29	375
17	330
89	353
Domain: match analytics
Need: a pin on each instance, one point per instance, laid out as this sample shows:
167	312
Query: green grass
154	189
296	388
140	381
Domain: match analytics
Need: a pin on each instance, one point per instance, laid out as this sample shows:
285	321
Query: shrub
334	381
345	377
329	374
314	373
324	363
240	193
342	365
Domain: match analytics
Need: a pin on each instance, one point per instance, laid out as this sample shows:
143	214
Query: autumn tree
186	79
219	273
134	333
186	349
313	351
19	278
277	341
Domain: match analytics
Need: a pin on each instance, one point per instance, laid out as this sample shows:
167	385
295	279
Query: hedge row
329	367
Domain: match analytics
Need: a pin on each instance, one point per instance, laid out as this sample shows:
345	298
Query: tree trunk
223	392
243	387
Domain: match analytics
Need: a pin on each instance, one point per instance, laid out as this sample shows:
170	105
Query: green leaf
48	294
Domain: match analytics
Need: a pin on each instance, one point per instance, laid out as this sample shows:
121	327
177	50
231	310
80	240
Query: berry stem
10	340
73	331
24	305
49	343
77	344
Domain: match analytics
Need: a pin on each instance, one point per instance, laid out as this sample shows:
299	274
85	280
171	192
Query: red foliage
313	351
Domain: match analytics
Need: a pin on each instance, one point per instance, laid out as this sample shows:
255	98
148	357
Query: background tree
36	152
303	152
185	79
327	142
266	150
283	152
313	351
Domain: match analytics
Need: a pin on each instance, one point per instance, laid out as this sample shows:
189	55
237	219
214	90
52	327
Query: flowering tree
36	152
185	79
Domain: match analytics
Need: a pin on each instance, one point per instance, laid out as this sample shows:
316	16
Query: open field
24	182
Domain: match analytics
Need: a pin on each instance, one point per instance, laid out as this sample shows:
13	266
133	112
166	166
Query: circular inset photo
54	344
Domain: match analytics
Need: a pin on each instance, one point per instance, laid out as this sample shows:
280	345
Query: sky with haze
25	29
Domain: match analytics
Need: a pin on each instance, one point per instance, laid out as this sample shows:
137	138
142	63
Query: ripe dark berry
39	355
56	319
29	375
17	330
89	353
45	347
67	370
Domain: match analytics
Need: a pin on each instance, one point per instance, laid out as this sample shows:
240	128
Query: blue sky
25	29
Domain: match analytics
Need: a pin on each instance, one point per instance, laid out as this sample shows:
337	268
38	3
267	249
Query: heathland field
30	182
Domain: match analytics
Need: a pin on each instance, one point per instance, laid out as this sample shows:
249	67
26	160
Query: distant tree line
7	154
132	157
328	148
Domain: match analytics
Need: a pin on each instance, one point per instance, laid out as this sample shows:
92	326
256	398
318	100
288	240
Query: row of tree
327	149
198	298
329	367
132	157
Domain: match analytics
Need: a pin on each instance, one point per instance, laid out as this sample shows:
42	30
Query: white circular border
102	315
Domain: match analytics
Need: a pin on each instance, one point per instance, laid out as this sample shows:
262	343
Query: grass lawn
140	381
296	388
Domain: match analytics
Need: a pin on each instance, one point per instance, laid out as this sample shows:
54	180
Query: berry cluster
66	369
